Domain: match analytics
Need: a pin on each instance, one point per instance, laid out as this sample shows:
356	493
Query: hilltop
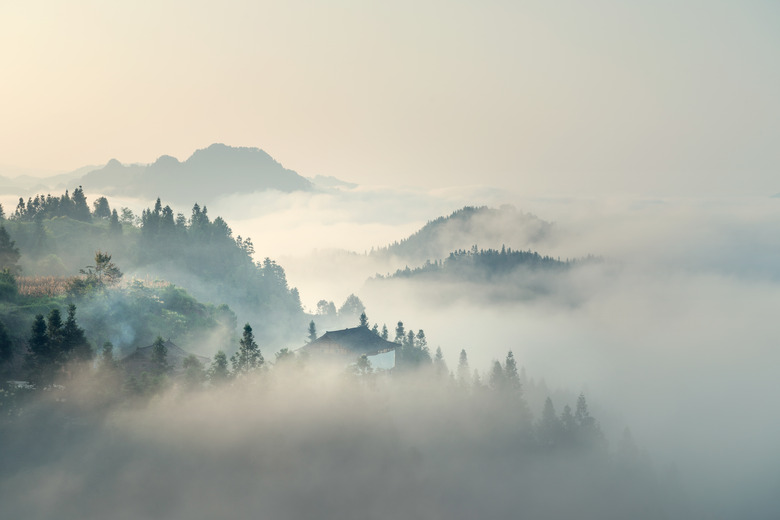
208	173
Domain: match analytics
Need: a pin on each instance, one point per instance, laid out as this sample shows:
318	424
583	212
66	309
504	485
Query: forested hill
477	265
211	172
482	225
58	236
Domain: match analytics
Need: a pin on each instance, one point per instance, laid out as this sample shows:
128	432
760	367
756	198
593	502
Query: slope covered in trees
470	225
59	235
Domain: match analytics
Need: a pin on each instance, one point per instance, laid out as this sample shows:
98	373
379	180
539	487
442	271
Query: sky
641	98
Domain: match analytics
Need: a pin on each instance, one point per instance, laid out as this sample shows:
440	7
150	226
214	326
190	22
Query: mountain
484	226
209	173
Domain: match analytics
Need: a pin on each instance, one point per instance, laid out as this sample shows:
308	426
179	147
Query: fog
670	332
303	443
673	333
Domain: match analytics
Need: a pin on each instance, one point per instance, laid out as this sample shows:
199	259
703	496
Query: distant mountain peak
113	163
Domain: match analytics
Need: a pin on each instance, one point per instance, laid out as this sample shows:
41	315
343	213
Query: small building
347	345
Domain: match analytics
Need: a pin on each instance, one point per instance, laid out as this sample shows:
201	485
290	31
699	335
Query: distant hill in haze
209	173
487	227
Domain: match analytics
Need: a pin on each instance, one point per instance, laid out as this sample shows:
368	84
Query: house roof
355	341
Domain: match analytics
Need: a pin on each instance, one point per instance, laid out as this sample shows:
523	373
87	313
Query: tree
497	380
385	333
464	372
248	358
218	373
375	329
363	319
400	333
194	374
39	361
6	346
114	225
326	308
80	209
103	273
510	373
101	208
160	357
352	306
9	253
549	427
312	331
363	366
74	342
439	365
127	216
420	341
284	355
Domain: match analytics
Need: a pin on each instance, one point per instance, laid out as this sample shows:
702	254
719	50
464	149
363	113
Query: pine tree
9	253
312	331
375	329
74	342
464	372
439	365
385	334
549	427
114	226
510	373
497	380
363	320
39	361
6	346
400	333
248	358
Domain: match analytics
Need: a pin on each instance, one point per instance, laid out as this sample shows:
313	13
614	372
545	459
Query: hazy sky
636	97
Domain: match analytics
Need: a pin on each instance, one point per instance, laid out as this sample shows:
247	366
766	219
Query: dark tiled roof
358	340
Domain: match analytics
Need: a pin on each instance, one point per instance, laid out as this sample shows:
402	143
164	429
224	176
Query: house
347	345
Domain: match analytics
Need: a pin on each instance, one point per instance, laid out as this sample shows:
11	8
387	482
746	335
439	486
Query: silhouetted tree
248	358
312	331
6	346
9	253
160	357
363	319
100	207
218	372
464	372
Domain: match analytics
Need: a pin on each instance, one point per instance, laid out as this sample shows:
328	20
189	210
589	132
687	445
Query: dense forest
57	237
467	226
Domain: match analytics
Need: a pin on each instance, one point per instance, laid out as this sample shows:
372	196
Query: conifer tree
400	333
363	319
248	358
439	365
464	372
6	346
385	334
497	380
9	253
312	331
510	373
74	342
